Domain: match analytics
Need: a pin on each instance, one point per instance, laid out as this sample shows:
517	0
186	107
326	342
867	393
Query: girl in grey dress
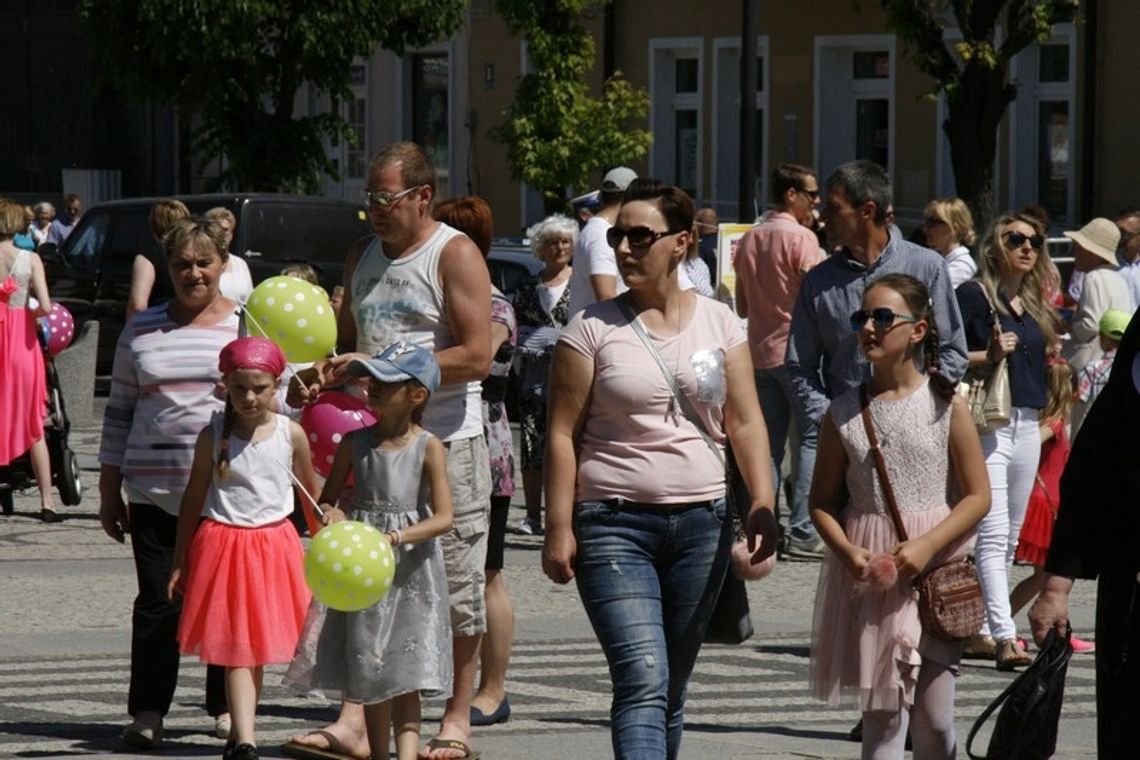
386	655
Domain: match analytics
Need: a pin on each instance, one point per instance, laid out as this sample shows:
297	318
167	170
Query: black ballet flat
50	516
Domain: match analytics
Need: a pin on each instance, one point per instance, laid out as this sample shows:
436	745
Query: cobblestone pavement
65	599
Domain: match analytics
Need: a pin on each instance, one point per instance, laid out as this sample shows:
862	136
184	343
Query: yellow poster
728	238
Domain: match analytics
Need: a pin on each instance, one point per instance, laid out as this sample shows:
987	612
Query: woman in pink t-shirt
635	496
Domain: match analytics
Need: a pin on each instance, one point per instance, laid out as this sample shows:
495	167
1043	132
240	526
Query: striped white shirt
162	395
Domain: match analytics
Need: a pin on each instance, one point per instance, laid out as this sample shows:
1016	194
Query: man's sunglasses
383	199
639	237
882	318
813	194
1016	240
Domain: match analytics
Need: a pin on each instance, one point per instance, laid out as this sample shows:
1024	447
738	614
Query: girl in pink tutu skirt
237	558
869	645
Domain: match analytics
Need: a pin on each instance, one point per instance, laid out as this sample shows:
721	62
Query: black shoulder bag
731	621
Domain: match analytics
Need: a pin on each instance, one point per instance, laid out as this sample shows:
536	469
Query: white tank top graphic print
402	299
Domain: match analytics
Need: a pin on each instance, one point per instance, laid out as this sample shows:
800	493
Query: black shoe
501	714
228	751
50	516
244	751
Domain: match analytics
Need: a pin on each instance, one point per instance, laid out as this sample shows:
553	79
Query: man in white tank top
421	281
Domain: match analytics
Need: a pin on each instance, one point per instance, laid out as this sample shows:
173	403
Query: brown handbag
949	597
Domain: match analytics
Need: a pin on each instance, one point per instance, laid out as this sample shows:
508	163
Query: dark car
511	263
91	273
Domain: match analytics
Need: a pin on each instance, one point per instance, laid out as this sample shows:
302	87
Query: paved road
65	597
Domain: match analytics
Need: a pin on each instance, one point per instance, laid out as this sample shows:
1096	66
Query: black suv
91	273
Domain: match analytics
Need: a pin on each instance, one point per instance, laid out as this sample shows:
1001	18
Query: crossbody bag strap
682	400
881	463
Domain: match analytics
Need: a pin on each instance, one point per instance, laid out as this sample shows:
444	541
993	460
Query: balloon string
247	315
316	507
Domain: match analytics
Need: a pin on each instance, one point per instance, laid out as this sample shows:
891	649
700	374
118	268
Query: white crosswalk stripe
553	686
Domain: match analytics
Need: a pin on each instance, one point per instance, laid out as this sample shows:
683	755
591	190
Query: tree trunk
976	108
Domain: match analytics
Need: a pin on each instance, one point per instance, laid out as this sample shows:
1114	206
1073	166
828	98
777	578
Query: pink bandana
252	353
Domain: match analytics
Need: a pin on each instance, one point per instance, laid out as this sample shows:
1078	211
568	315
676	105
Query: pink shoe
1080	646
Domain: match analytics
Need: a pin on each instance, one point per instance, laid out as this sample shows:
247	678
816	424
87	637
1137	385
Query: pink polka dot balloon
328	420
60	328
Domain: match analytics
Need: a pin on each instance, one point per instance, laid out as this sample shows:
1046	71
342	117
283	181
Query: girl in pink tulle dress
237	557
23	392
869	645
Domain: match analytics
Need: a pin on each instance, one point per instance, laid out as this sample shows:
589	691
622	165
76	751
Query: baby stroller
18	474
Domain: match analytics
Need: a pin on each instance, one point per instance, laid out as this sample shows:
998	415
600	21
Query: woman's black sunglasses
882	318
1016	240
639	237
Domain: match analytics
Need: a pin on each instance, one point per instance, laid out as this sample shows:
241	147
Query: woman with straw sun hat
1094	253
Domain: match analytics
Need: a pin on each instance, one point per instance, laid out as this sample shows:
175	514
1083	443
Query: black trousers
1118	664
154	622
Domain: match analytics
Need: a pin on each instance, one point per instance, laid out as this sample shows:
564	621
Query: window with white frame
676	72
854	100
1042	126
726	127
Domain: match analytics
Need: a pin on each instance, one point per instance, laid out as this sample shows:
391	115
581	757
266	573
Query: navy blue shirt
1026	363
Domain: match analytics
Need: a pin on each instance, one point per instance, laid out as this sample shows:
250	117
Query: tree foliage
556	134
237	66
973	72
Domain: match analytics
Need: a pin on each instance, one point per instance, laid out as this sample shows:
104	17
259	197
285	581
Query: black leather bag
1026	726
731	621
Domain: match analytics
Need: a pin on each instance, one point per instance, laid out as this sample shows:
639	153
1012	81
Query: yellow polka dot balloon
349	566
295	315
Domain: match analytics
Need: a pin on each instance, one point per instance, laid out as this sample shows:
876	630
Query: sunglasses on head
1016	240
882	318
639	237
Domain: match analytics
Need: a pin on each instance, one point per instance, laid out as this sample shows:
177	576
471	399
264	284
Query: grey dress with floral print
402	643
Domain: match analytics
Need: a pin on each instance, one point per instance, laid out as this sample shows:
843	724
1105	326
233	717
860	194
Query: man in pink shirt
770	265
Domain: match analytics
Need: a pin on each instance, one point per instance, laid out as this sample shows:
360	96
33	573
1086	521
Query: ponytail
942	386
223	466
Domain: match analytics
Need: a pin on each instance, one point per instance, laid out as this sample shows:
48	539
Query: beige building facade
833	84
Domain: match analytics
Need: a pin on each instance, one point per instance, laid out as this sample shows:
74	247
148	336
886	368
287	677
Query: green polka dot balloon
295	315
349	566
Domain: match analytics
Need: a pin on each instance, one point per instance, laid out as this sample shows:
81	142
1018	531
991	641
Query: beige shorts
465	545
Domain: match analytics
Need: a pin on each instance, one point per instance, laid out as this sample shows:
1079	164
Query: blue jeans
781	408
649	578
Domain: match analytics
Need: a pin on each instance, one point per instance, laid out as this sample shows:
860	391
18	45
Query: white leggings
931	721
1012	453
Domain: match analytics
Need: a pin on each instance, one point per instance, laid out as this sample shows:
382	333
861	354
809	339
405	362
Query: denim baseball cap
399	362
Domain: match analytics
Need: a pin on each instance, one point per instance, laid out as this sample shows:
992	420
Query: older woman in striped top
162	394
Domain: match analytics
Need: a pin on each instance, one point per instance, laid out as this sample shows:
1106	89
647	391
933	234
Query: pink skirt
246	596
867	643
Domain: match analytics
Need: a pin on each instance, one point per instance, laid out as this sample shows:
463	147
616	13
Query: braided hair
917	298
222	467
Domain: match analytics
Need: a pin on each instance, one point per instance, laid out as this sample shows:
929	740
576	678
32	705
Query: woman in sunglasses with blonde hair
949	229
635	479
1006	315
